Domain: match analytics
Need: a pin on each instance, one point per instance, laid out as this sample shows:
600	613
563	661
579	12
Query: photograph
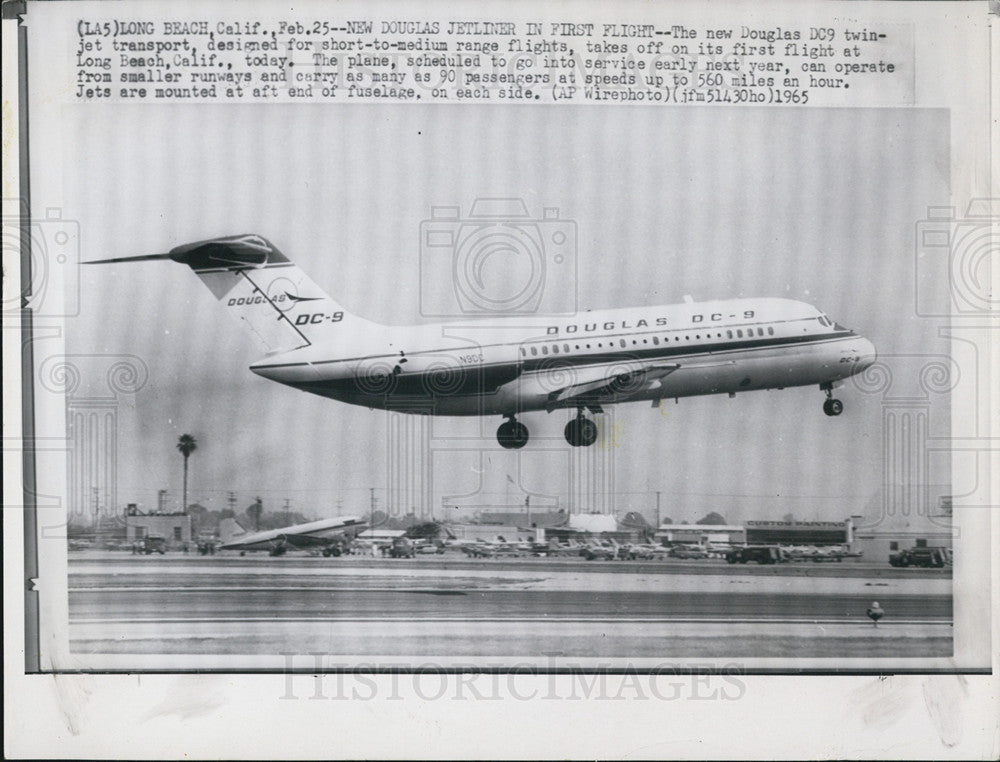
457	385
403	380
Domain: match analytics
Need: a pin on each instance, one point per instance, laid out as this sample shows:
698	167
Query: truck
146	545
402	547
762	554
925	557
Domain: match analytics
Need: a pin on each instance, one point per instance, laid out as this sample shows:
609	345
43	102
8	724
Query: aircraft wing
610	380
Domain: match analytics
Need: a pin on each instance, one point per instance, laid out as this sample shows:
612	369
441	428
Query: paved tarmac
450	607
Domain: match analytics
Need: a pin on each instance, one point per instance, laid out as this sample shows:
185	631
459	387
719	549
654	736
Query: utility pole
657	526
231	499
527	508
371	507
288	505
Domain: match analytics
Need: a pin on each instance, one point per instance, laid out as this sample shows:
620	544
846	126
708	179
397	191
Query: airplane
328	535
515	364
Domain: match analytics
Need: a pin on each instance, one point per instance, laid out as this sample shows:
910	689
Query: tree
187	444
712	519
429	530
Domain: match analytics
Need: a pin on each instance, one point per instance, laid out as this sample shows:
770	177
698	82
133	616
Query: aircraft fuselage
514	365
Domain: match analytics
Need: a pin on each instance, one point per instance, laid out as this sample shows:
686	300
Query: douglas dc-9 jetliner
518	364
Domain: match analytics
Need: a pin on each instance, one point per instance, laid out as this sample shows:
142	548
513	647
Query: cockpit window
824	320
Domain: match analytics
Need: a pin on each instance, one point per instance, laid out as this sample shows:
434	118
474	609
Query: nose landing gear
831	406
512	434
581	432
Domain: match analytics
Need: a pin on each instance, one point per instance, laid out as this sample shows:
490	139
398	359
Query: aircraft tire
512	435
833	407
580	432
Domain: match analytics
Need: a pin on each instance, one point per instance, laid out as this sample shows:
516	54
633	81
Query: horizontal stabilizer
115	260
238	251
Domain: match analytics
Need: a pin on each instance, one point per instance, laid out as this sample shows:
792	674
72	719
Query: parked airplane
328	535
512	365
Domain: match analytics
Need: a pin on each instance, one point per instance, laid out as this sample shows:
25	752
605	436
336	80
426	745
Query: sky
819	205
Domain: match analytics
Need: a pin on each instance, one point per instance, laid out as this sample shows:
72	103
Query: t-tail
257	284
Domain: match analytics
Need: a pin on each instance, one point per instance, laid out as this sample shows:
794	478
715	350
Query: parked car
762	554
926	557
688	551
603	552
147	545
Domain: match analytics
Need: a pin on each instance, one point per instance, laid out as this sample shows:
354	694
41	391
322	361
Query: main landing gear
512	434
831	406
581	432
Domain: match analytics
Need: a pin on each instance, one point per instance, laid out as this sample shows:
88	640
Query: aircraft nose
867	352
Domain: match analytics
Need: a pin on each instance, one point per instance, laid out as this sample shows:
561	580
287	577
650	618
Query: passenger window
622	343
534	351
739	333
729	334
760	331
656	340
555	349
770	331
545	350
524	353
566	348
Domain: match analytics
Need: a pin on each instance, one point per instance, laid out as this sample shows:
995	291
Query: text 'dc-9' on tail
257	284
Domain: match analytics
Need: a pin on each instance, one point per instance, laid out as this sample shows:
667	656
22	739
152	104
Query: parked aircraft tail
231	529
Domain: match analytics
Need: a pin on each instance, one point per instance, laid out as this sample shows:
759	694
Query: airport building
818	533
700	534
175	528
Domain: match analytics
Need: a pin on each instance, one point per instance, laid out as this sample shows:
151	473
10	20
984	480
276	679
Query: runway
533	608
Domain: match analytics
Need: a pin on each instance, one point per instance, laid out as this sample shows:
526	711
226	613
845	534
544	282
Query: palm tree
187	444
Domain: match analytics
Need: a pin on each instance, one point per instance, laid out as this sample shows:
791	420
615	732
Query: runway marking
514	586
519	620
280	589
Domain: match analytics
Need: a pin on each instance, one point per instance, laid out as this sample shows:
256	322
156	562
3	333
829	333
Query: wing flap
620	379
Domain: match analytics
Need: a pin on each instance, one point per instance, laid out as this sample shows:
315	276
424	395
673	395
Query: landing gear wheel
512	435
833	407
581	432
